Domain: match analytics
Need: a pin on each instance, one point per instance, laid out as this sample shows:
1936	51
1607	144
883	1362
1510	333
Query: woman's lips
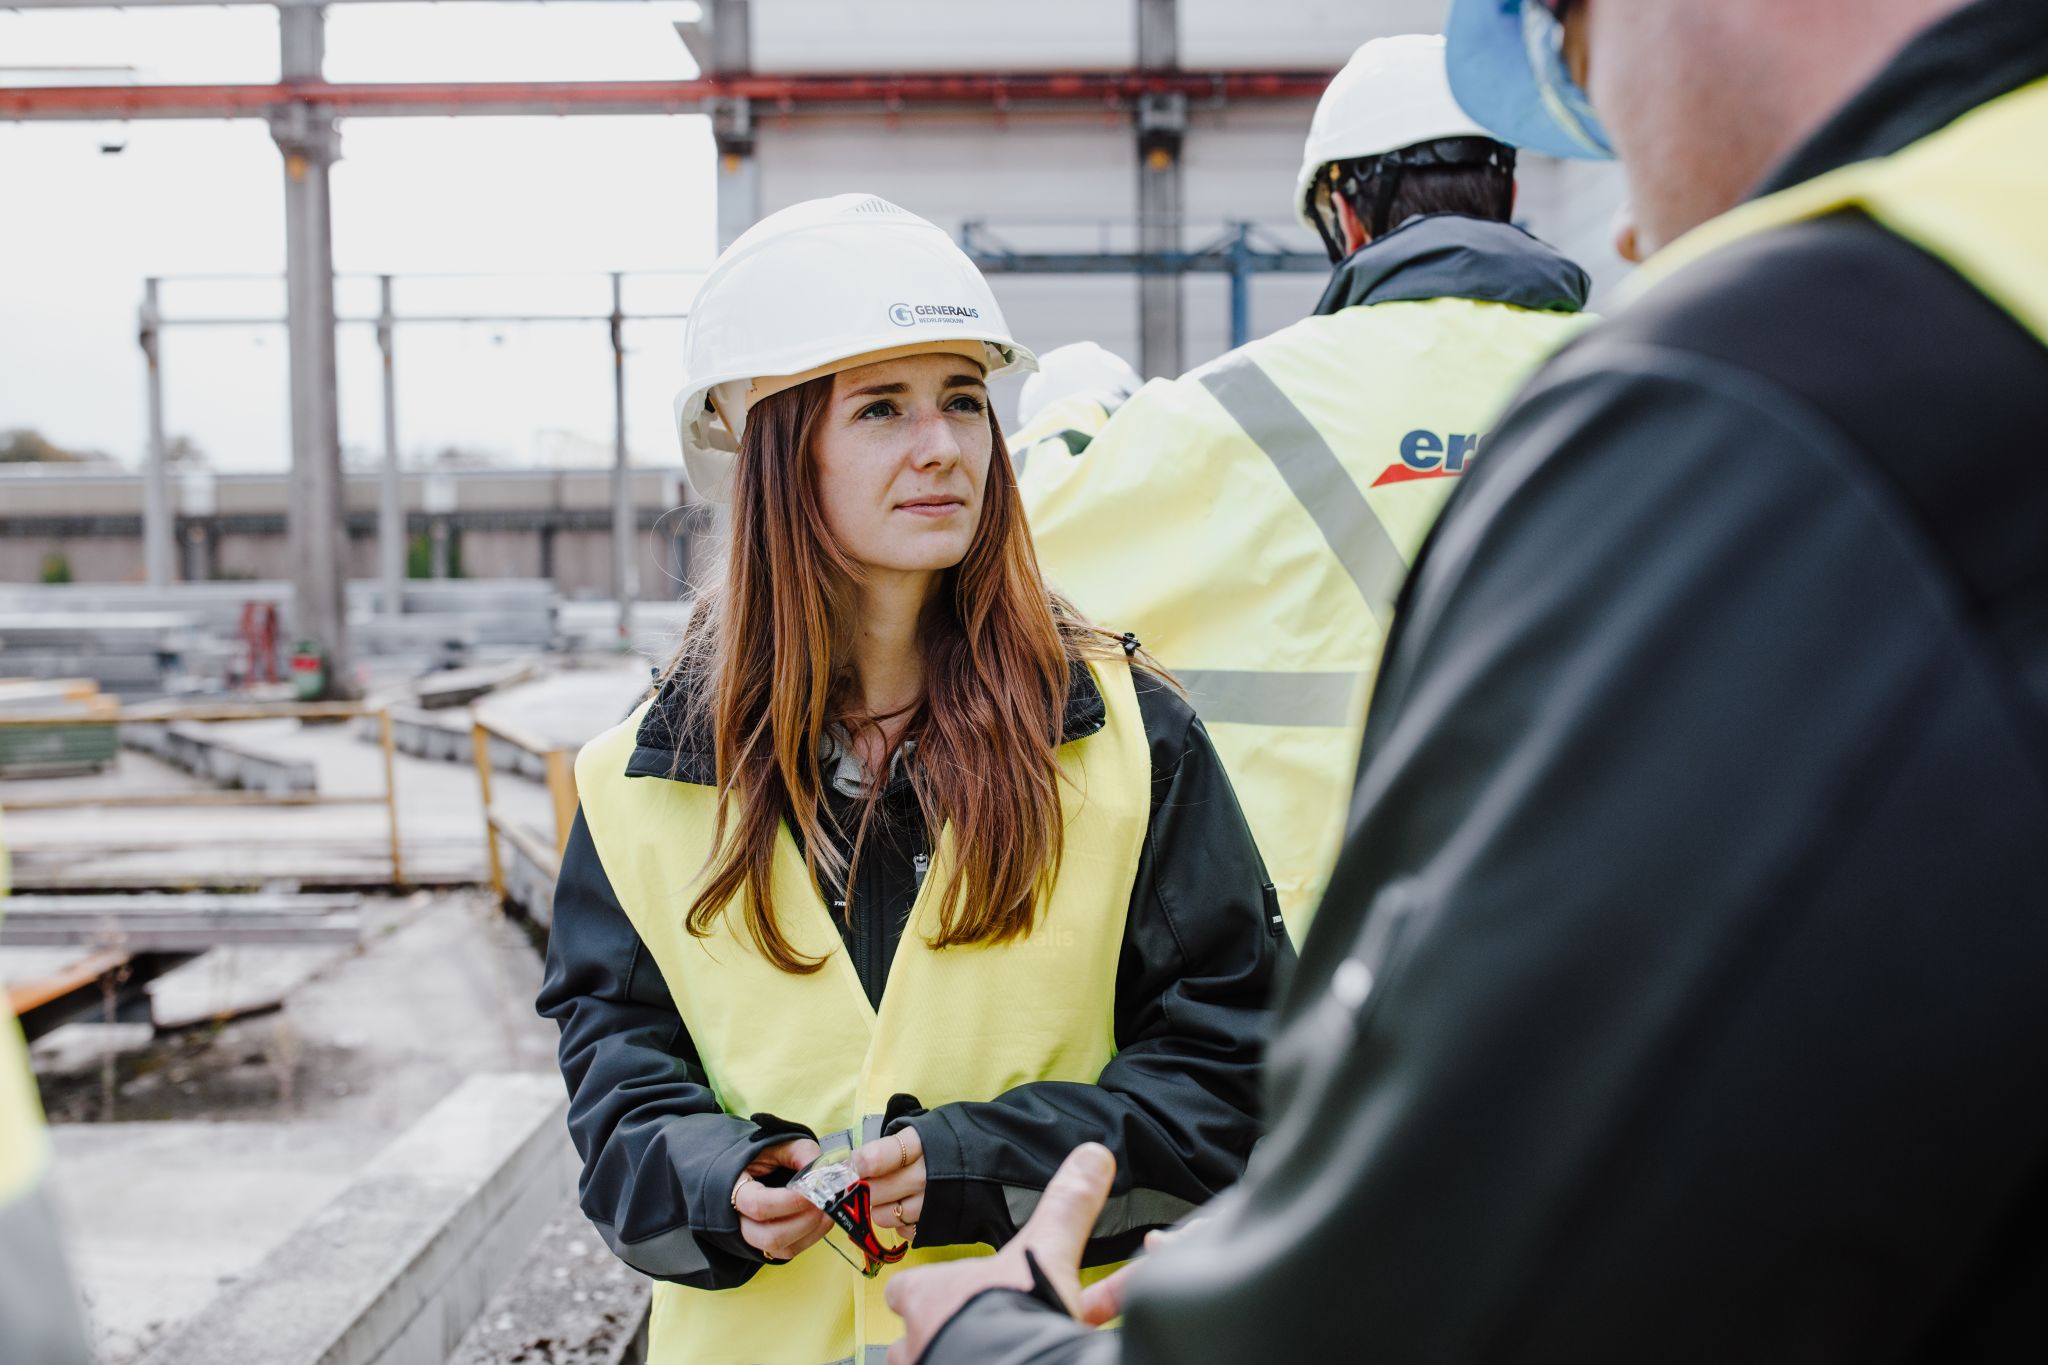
931	507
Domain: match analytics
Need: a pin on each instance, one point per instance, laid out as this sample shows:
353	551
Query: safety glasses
1563	98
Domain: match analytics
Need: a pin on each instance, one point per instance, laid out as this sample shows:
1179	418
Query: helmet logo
903	315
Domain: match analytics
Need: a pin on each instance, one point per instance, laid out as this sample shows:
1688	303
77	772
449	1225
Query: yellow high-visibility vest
961	1024
39	1317
1974	194
1042	451
1253	521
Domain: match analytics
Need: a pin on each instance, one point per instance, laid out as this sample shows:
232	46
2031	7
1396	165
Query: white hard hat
1080	367
815	288
1393	93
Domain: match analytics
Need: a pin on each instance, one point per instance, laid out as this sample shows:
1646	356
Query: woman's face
902	457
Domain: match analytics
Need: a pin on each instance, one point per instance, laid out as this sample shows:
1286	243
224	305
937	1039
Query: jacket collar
1971	57
675	740
1450	256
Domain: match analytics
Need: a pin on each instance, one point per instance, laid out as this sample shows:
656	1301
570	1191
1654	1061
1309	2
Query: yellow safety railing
561	780
153	715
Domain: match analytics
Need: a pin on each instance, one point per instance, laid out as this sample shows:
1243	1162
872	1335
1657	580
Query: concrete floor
226	1139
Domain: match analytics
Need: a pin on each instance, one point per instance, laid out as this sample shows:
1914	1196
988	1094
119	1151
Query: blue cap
1494	77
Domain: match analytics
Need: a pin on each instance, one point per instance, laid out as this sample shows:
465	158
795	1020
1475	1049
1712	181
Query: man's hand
927	1299
778	1223
893	1166
1104	1300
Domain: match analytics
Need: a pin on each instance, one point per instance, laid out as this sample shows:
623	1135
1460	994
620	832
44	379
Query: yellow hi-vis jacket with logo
1253	522
959	1025
1973	194
39	1319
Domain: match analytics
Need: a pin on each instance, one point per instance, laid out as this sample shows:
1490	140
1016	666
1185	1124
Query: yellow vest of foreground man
958	1025
1253	521
1974	195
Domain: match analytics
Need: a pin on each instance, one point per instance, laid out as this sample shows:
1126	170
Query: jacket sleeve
1178	1105
1676	996
660	1157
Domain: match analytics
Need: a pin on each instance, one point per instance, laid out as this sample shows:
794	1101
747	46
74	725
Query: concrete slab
397	1265
233	981
157	1213
81	1046
160	1217
440	819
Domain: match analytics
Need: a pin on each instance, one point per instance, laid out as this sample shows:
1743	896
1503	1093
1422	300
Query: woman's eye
968	403
884	408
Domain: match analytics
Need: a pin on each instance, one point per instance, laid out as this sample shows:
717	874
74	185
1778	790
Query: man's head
1698	98
1389	143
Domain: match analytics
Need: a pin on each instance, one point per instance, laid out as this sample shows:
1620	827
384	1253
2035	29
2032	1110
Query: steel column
625	565
156	475
391	498
306	135
1162	120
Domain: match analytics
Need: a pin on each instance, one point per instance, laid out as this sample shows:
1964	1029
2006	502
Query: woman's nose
936	441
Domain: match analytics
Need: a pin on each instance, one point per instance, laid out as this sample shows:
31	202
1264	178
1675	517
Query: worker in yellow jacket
1253	521
902	864
39	1321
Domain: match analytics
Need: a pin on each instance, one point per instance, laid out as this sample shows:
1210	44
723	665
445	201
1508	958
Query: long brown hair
767	655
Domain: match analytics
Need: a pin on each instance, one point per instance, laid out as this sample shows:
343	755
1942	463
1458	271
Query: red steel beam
769	93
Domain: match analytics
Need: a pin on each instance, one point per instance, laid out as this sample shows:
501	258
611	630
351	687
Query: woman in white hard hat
902	859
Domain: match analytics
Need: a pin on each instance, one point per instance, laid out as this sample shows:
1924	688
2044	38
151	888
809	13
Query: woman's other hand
778	1223
893	1166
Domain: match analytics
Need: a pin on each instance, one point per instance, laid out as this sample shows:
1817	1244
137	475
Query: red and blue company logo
1426	455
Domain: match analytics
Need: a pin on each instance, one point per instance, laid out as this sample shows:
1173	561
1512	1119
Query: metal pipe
156	475
1012	93
391	504
625	581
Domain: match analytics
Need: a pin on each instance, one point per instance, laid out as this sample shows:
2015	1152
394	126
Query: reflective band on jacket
958	1025
1973	194
1253	522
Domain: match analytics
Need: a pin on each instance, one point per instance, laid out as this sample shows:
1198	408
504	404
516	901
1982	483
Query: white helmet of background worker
1392	100
815	288
1081	367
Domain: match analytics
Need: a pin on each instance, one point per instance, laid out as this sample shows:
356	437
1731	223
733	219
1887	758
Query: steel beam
783	96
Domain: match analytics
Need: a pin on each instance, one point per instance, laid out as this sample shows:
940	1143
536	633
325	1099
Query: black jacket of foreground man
1682	994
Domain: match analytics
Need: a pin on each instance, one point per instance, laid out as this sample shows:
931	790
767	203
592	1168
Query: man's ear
1355	235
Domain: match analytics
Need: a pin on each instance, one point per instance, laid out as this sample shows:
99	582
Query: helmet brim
1491	78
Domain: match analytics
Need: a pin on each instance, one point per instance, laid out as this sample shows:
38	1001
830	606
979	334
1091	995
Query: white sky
572	197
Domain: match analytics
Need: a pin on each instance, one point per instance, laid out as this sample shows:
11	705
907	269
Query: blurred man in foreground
1678	995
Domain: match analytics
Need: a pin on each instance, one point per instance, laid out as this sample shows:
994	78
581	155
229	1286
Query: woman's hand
778	1223
894	1169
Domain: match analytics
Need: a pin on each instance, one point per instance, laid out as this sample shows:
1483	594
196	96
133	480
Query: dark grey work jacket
1682	993
1178	1104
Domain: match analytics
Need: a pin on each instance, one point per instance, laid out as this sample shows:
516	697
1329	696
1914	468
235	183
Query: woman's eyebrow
964	381
878	388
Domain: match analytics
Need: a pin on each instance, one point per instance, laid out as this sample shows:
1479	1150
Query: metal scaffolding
302	109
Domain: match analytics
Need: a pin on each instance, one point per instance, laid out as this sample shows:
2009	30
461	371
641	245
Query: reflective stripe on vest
1319	479
1972	194
1253	522
964	1024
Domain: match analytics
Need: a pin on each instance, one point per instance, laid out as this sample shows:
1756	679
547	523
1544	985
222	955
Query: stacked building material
55	750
